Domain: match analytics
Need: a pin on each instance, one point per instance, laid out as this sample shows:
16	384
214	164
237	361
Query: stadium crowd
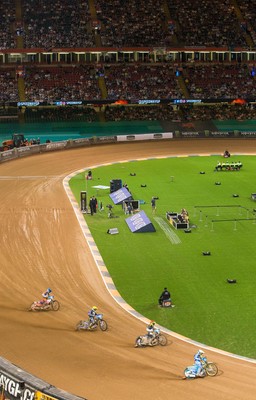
136	23
7	19
142	81
132	23
61	83
81	114
155	24
64	23
219	81
208	23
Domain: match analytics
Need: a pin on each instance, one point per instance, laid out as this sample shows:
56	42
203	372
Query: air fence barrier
75	143
16	384
218	208
98	140
145	136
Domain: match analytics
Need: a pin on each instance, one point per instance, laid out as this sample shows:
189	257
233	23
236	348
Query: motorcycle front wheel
162	340
55	305
211	369
103	325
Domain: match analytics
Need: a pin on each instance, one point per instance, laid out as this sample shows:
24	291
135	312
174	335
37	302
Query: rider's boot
151	341
92	325
201	374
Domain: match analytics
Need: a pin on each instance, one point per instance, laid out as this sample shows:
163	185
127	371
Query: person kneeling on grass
166	295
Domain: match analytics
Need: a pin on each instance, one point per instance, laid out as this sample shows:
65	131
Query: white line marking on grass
169	233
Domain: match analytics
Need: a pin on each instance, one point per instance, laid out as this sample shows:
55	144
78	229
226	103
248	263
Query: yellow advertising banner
43	396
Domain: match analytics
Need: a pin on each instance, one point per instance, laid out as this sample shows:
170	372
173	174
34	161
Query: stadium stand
163	52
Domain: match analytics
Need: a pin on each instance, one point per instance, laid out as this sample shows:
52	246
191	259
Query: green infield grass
207	309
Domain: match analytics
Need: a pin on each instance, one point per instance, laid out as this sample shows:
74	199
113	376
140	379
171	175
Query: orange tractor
17	140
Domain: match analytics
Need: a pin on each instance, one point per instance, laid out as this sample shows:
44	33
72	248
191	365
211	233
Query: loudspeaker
115	184
83	201
113	231
231	280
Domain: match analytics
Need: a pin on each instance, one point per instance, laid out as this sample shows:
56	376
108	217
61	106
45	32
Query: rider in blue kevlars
92	314
198	361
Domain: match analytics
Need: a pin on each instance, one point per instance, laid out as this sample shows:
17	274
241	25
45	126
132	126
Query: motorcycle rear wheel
31	308
162	340
138	342
103	325
187	373
55	305
211	369
79	326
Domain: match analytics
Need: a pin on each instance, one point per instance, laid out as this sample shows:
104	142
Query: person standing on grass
94	204
91	205
153	205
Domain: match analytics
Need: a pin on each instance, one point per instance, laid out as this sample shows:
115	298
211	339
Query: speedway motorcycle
48	305
87	326
145	340
208	368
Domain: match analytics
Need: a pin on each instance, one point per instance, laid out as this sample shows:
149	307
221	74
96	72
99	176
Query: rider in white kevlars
151	330
198	361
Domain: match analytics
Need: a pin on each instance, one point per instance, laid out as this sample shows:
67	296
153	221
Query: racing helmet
200	351
152	323
95	308
49	290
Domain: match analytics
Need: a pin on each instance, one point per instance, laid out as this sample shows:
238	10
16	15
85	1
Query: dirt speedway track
42	245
